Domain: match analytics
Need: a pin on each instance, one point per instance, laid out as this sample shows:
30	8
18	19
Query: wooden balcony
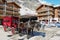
42	10
45	14
9	12
2	6
45	18
16	2
1	2
15	9
9	8
13	1
1	11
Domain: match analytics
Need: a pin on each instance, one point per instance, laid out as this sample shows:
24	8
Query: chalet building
45	12
57	12
9	8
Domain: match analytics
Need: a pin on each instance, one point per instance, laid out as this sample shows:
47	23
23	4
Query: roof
44	5
49	4
14	4
14	1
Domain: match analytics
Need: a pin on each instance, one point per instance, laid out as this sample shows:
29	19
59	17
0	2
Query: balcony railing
13	8
1	11
41	14
45	18
41	10
16	1
11	12
9	8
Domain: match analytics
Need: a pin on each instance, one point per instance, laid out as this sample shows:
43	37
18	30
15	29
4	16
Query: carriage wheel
13	30
5	29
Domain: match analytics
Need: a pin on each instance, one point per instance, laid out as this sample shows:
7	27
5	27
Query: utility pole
5	9
4	14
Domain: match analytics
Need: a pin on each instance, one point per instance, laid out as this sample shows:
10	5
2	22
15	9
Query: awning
27	19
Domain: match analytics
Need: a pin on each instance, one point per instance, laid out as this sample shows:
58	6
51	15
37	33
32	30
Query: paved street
4	35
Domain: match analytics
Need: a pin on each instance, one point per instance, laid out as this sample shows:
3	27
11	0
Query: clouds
26	11
57	6
30	8
54	3
44	2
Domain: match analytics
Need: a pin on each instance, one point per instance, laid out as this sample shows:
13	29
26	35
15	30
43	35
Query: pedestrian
43	25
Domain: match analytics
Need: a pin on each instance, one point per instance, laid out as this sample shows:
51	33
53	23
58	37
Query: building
57	13
45	12
9	8
13	8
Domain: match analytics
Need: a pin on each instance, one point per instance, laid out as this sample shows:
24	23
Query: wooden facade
45	11
57	12
9	9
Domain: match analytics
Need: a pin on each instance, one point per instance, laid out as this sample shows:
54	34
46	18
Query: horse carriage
10	22
15	24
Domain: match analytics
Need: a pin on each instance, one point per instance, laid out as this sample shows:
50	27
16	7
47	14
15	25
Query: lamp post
4	14
5	9
13	8
48	15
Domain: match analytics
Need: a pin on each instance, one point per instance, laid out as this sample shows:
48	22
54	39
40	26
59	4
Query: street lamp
5	9
48	15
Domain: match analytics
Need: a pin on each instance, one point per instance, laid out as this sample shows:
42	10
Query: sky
28	11
55	2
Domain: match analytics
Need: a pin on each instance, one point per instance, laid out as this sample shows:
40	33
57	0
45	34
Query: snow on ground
4	35
55	38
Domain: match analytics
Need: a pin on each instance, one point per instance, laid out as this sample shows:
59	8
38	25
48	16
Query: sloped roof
16	2
43	5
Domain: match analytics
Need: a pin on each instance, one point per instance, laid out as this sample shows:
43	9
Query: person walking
42	25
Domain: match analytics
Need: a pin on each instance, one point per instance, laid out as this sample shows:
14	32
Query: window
1	8
42	12
8	14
